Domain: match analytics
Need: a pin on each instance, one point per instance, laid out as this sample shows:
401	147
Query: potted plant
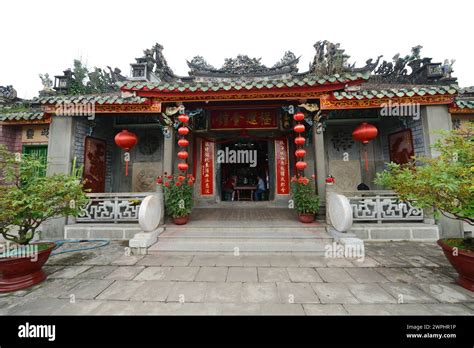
306	202
27	199
178	192
445	183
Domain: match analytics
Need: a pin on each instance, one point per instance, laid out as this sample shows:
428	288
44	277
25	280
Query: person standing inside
260	188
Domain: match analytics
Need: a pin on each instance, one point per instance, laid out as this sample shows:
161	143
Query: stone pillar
60	156
169	152
320	162
434	118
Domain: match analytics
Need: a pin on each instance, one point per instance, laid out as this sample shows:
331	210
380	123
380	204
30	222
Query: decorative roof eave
276	93
25	118
152	106
329	103
462	106
97	99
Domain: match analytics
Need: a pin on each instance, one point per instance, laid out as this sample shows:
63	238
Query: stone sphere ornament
149	214
340	212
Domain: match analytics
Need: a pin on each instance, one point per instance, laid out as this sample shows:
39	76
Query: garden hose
60	243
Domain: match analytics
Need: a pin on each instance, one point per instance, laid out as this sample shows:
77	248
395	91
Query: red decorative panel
401	146
207	168
94	164
282	170
244	119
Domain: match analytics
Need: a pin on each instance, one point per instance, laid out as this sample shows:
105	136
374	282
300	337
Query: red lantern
183	154
183	143
364	133
301	165
299	116
183	166
183	130
126	140
299	128
183	118
300	153
300	140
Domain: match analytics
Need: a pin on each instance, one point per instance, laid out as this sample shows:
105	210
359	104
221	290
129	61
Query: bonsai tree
28	198
445	183
306	202
178	194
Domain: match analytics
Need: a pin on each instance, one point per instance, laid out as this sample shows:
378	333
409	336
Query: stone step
224	245
245	232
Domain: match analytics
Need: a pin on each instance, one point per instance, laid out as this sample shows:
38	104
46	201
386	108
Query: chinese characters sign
35	134
207	168
282	173
243	119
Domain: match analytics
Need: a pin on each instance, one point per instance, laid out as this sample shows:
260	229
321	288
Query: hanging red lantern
301	165
183	118
300	153
299	116
126	140
183	154
300	140
364	133
299	128
183	166
183	130
183	143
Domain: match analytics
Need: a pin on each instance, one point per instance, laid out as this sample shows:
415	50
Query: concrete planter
18	273
463	262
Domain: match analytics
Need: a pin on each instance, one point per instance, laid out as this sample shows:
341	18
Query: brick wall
395	124
11	137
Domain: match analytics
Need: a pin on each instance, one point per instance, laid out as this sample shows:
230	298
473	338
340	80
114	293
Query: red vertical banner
207	168
282	170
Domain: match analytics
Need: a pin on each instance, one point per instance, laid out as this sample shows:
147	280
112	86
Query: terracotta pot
463	263
181	220
18	273
306	218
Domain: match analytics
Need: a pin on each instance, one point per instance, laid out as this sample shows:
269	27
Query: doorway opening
244	170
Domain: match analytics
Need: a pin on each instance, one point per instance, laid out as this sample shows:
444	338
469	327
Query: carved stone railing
112	207
381	206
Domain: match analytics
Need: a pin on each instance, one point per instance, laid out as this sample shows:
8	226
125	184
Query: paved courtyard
395	278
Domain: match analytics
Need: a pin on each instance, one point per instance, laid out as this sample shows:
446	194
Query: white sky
45	36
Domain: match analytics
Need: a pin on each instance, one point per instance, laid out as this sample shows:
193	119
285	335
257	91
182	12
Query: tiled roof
465	103
395	92
93	98
19	116
243	84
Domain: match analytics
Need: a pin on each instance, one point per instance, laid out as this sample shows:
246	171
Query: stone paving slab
212	274
242	274
335	275
395	278
303	275
334	293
